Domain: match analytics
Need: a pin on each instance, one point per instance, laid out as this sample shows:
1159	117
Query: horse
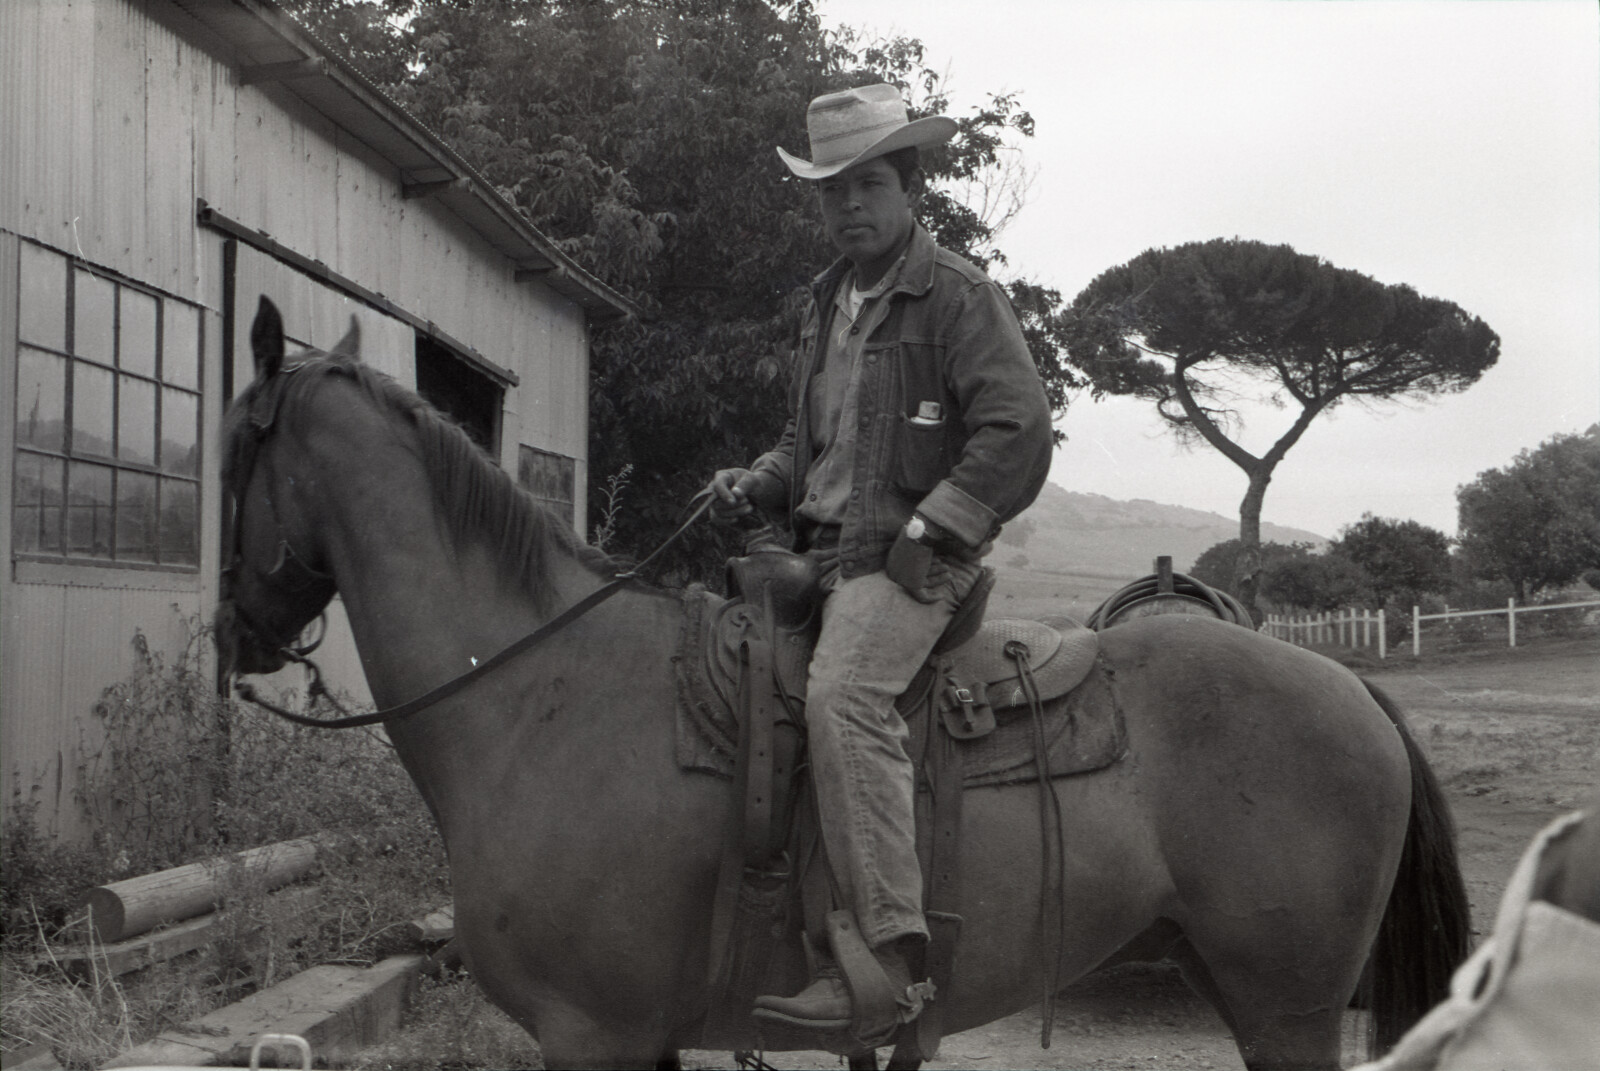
1272	827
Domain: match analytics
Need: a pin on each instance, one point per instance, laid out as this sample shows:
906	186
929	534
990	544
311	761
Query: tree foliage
1399	558
1218	564
1315	583
1535	523
1373	560
1195	327
640	135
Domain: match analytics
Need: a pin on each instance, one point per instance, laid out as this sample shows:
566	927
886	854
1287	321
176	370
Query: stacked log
125	909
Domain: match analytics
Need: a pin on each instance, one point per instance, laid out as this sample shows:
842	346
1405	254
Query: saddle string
1050	877
455	684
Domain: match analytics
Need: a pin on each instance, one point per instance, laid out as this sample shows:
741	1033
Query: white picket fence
1346	628
1365	628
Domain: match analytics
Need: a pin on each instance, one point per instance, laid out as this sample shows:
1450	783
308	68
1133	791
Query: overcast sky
1451	145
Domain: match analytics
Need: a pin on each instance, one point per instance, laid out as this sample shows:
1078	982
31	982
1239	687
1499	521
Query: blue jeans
875	637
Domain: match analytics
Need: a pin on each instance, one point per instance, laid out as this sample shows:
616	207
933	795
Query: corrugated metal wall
318	316
115	116
50	702
110	169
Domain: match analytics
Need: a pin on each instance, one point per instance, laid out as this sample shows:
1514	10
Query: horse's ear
350	344
266	339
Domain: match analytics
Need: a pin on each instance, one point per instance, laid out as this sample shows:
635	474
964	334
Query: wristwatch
916	528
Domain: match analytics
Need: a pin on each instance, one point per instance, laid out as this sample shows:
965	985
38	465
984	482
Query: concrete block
336	1009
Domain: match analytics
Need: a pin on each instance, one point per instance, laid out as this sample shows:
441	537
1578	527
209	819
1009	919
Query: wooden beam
128	908
311	67
210	217
122	957
411	191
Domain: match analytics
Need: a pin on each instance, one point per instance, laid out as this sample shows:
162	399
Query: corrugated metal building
162	163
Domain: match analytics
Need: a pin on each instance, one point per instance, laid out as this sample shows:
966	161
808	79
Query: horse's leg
1279	1021
1198	976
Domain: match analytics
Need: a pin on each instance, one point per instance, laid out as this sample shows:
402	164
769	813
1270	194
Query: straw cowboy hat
858	124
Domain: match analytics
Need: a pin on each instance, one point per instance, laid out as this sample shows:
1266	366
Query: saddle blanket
1084	729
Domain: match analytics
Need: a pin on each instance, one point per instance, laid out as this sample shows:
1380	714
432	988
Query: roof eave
426	166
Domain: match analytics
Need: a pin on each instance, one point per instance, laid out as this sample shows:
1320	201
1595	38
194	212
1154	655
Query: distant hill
1092	535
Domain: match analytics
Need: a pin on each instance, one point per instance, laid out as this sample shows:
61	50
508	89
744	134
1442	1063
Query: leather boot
825	1004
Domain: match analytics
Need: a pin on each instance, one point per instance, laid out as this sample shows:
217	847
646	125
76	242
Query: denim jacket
953	420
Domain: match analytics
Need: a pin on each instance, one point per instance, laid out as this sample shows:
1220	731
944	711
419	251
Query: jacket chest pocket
925	416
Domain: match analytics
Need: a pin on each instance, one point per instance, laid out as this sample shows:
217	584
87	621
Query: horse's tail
1427	925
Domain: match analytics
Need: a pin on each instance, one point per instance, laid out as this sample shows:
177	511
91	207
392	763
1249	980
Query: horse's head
275	581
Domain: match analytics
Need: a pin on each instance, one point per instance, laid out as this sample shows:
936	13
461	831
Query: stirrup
879	1008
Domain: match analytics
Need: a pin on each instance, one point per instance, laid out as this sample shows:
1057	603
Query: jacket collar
916	274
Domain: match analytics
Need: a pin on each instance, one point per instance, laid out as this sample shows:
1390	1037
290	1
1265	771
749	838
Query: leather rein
450	687
262	425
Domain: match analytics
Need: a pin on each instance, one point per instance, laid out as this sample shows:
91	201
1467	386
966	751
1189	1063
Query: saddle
973	677
999	702
981	712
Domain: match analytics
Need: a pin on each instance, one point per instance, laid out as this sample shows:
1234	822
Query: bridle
293	575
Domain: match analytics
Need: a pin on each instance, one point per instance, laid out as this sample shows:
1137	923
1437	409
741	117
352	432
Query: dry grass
86	1021
452	1025
81	1027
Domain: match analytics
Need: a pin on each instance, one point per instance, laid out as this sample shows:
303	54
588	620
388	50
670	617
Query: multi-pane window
550	478
108	419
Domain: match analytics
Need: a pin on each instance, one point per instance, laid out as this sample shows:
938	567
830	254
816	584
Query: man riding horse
918	425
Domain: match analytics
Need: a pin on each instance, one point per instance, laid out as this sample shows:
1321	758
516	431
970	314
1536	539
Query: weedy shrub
149	783
1467	629
184	774
615	487
1569	622
179	774
44	880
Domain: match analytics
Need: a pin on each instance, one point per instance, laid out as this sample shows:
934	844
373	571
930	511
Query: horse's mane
476	496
